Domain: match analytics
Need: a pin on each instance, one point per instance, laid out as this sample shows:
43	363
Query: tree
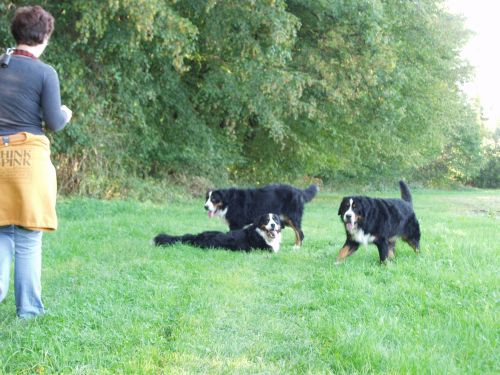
258	90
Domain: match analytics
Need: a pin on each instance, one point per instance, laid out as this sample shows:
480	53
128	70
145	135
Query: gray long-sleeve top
29	93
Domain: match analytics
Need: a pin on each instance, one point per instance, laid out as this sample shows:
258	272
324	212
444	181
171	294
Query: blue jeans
25	246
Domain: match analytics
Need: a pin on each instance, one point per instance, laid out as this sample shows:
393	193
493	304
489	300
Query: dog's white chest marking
274	243
221	214
360	236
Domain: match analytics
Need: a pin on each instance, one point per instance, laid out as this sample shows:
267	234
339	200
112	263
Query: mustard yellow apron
28	185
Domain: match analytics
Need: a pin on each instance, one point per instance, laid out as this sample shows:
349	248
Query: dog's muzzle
350	221
273	232
210	210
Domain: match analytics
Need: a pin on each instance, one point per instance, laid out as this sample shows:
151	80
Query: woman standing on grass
29	94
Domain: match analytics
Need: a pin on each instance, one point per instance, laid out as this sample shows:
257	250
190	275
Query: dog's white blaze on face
270	226
212	209
357	234
208	204
349	213
275	229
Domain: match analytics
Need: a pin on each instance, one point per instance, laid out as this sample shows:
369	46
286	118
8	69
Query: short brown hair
31	25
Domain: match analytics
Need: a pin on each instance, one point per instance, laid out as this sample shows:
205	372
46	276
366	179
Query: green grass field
115	304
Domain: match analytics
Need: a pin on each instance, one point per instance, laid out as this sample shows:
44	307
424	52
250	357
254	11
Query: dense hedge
259	90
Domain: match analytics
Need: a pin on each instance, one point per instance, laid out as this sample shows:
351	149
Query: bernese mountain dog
264	233
239	206
379	221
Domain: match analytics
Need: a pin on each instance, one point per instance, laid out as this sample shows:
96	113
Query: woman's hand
67	111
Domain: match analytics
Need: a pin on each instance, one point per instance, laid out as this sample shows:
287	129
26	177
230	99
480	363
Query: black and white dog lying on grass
238	207
379	221
264	233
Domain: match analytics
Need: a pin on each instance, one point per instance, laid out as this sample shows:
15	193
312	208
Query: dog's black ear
363	206
256	220
340	207
277	219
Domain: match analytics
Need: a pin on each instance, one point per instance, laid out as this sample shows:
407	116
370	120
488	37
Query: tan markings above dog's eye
354	205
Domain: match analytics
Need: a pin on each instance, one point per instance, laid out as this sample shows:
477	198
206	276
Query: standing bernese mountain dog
239	206
264	233
379	221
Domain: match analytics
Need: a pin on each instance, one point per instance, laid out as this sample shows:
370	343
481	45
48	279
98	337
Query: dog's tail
405	192
164	240
310	193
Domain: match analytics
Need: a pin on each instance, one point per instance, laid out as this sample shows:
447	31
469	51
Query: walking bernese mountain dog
379	221
239	206
264	233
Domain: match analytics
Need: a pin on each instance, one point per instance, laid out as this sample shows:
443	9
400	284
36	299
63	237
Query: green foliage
489	175
462	156
259	90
